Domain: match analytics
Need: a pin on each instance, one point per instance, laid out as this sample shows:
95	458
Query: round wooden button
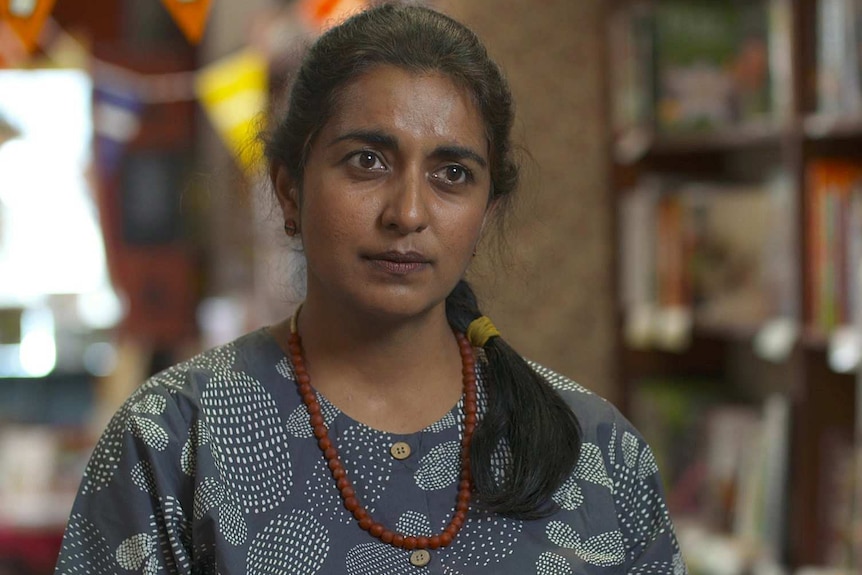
400	450
420	558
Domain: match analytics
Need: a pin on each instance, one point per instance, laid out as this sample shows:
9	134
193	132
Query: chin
401	307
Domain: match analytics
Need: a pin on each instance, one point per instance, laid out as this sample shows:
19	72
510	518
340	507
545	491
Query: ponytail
524	416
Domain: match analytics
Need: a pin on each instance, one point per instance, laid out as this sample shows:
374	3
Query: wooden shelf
638	144
731	332
815	339
810	338
830	126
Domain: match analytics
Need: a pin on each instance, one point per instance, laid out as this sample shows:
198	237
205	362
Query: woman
386	427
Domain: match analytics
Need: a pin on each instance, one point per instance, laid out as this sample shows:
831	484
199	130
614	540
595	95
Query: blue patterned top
211	467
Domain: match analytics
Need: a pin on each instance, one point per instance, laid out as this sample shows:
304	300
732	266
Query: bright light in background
38	350
50	240
101	308
35	354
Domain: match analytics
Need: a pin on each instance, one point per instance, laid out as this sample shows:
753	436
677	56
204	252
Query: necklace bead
345	487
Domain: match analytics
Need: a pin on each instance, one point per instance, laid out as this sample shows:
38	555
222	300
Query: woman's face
394	196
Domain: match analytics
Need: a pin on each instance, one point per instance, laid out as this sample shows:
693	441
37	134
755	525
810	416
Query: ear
286	191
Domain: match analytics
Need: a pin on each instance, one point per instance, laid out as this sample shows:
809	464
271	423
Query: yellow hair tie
481	330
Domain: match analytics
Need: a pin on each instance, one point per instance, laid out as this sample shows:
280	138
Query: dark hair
524	416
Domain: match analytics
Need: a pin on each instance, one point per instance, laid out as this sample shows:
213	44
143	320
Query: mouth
399	263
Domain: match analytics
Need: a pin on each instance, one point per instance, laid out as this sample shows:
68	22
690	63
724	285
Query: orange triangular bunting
26	18
322	14
190	16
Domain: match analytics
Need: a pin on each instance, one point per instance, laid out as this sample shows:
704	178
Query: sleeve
648	535
132	510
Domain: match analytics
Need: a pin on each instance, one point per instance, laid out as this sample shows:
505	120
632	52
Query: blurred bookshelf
736	161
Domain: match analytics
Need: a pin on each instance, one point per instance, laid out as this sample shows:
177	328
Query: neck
397	375
382	343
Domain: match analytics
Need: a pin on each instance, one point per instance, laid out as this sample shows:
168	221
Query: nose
405	210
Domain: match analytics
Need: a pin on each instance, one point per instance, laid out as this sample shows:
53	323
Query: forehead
428	104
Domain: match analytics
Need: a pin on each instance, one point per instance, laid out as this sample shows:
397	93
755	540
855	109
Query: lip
399	263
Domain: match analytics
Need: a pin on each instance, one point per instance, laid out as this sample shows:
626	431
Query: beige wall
554	304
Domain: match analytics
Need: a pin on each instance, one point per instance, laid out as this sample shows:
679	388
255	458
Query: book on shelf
839	42
721	251
40	469
724	461
671	413
630	52
833	219
838	518
780	60
761	510
855	526
712	64
699	65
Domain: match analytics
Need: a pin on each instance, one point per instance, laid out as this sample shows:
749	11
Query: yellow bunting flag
233	93
323	14
190	16
26	18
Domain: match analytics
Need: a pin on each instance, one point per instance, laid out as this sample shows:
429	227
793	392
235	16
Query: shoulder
237	356
616	461
609	441
186	382
596	414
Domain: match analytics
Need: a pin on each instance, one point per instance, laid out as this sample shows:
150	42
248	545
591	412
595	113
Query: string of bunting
27	17
232	91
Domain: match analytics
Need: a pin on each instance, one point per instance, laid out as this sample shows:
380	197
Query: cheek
326	228
462	234
329	222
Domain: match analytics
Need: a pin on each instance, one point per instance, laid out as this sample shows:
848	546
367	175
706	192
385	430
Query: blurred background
687	243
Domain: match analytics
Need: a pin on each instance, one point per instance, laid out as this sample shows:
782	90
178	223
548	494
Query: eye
366	160
453	174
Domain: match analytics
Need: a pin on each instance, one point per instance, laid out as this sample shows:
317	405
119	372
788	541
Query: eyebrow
386	141
457	153
370	137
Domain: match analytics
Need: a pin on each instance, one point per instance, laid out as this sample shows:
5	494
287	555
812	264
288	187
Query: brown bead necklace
345	487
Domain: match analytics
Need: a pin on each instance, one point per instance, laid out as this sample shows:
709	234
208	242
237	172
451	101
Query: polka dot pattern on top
85	550
440	467
379	559
250	442
569	495
198	438
553	564
138	553
488	539
211	467
173	531
323	497
415	524
294	544
360	448
556	380
298	424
